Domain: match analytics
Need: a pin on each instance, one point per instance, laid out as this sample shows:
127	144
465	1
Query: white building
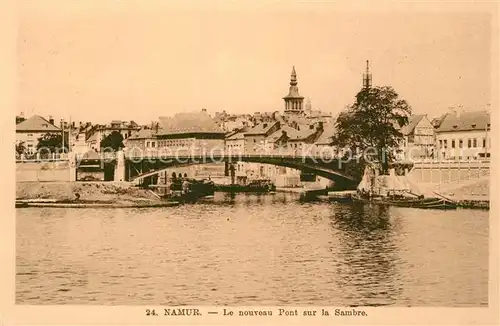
464	135
30	130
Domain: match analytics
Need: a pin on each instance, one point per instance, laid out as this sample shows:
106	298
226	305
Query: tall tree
113	141
52	143
372	125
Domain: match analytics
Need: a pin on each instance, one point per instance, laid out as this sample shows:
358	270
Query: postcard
222	162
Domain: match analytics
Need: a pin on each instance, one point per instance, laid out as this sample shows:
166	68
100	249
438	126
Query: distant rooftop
465	121
329	131
261	129
143	134
412	123
188	122
36	124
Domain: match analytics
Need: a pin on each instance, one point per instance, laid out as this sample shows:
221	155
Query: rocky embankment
119	193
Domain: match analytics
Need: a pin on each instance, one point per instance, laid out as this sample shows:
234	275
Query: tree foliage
52	143
372	125
20	148
113	141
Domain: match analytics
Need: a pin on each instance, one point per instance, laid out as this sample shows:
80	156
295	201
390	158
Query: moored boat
425	203
253	186
190	190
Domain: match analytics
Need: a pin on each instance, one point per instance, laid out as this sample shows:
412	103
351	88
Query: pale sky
99	60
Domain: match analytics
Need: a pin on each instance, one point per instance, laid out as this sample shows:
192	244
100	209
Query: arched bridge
140	167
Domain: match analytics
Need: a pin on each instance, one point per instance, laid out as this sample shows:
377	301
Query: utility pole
69	135
62	128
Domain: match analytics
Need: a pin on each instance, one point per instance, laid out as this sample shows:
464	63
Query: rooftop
36	124
188	122
143	134
329	131
466	121
412	123
304	132
261	129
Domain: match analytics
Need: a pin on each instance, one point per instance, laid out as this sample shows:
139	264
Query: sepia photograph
282	154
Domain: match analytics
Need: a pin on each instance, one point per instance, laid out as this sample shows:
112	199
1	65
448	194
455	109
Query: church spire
293	101
367	76
293	77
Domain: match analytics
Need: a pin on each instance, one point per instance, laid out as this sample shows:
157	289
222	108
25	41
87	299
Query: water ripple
253	250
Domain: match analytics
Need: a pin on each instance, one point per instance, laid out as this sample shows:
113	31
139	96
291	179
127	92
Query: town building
30	130
141	140
323	145
193	131
418	142
235	141
255	138
302	139
77	137
464	135
98	132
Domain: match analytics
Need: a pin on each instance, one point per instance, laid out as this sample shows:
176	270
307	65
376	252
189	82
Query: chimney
204	110
51	120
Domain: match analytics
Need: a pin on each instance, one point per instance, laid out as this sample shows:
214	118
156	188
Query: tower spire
293	101
367	76
293	77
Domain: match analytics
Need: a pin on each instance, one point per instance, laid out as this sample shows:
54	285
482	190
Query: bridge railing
217	155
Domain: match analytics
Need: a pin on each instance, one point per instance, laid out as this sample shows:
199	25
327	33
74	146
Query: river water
253	250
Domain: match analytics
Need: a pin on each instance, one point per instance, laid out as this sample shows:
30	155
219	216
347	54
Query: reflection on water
245	249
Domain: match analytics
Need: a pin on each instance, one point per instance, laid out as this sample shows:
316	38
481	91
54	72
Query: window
153	144
440	143
469	143
445	142
147	144
474	144
460	143
484	142
453	143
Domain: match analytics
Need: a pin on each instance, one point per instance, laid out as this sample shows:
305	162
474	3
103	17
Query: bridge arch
334	170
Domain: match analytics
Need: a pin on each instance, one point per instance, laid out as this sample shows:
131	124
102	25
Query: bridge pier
119	167
72	167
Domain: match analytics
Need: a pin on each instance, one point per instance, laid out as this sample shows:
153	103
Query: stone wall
43	172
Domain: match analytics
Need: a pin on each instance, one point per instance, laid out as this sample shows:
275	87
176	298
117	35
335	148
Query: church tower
293	101
367	76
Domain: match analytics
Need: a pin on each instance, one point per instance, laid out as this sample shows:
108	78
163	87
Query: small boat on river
189	190
259	186
420	202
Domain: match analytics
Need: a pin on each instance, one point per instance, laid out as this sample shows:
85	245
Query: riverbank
118	194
